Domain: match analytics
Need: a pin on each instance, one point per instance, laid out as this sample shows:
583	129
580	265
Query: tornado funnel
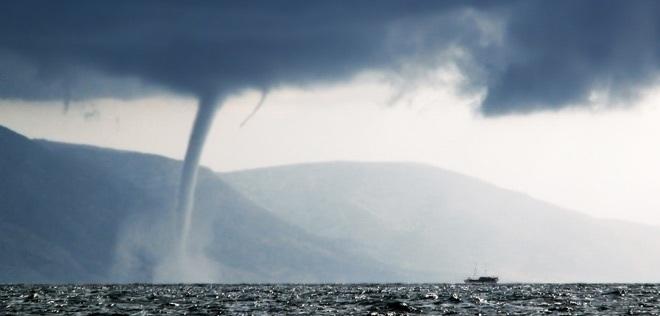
186	197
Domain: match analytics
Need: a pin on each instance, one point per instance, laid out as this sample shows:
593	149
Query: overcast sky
597	160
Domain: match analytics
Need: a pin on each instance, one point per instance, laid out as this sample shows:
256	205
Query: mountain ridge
75	213
462	220
80	213
415	164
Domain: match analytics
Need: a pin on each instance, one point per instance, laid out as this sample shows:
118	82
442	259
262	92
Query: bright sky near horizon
603	162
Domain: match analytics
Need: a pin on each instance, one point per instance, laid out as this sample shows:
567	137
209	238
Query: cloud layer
560	53
528	55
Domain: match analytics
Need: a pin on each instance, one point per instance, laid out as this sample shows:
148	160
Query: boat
486	279
483	280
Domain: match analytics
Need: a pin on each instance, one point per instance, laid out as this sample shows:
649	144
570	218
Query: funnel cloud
205	113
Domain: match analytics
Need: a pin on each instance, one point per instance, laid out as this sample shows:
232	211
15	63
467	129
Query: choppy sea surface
333	299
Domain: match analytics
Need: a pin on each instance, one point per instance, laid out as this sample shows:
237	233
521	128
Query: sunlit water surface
359	299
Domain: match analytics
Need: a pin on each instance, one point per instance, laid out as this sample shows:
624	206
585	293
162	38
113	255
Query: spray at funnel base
185	203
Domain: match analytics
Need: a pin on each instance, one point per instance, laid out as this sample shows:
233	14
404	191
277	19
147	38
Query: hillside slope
443	224
72	213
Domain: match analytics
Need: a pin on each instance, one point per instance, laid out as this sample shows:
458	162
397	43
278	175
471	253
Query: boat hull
482	280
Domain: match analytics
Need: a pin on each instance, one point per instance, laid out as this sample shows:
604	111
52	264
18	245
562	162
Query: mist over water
147	248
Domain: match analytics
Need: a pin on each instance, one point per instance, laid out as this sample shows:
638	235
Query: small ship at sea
483	280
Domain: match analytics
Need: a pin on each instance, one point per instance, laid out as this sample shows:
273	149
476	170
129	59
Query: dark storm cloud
556	53
205	47
23	79
550	54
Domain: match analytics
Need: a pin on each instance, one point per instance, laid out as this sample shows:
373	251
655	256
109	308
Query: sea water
333	299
